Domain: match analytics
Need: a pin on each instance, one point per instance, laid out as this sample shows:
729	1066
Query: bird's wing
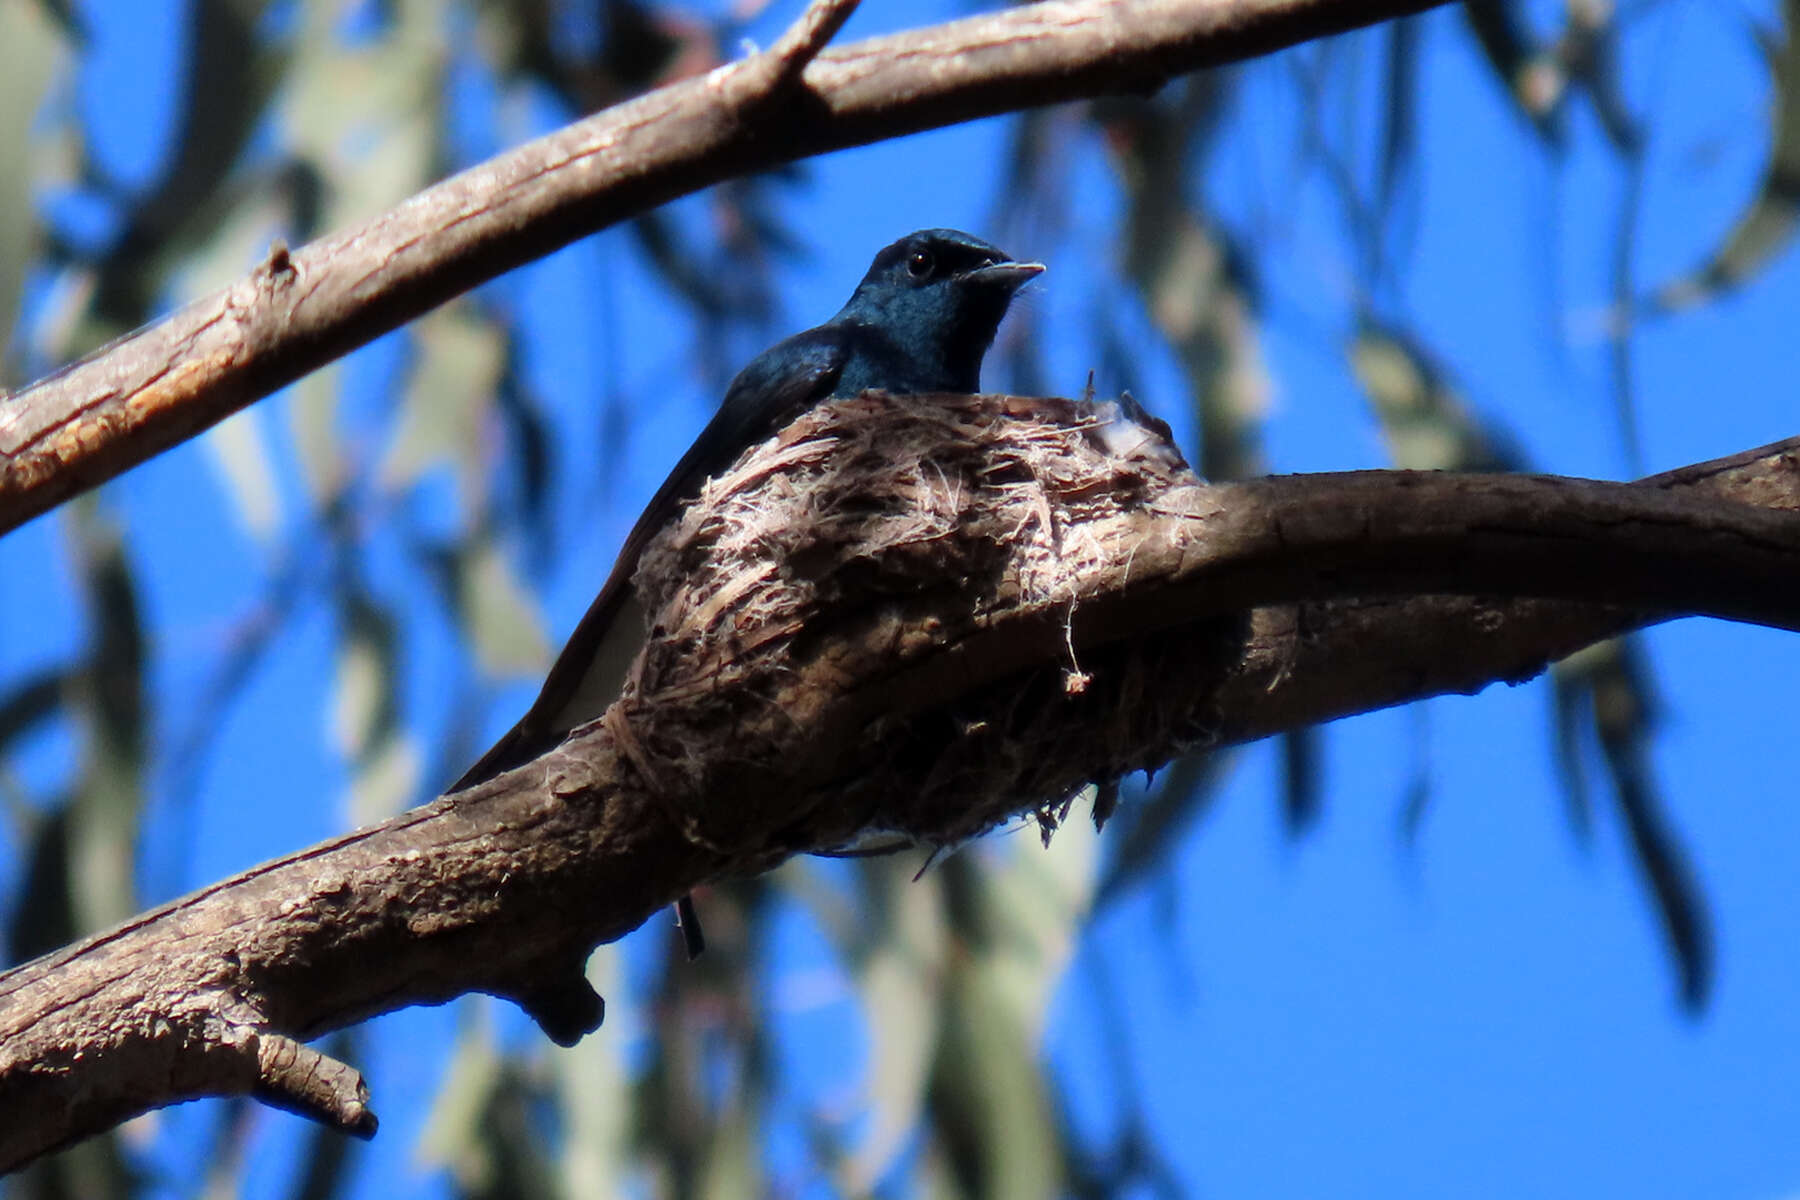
774	388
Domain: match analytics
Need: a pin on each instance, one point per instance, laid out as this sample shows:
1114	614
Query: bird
921	320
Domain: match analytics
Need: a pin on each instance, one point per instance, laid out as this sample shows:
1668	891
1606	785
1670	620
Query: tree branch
923	614
298	311
1315	662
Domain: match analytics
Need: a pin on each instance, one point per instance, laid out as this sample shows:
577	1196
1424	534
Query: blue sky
1487	1012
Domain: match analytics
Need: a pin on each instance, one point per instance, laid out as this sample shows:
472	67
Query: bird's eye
920	264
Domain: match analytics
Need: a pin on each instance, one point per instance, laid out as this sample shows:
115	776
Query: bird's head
941	294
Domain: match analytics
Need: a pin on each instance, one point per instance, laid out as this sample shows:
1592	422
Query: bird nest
874	621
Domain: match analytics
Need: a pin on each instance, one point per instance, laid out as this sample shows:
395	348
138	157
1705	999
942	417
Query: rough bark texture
928	615
300	310
1323	660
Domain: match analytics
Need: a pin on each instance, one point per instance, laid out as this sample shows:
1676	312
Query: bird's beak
1008	276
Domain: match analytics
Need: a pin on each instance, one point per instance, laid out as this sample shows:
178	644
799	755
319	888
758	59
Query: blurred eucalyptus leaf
1144	834
1191	279
384	757
386	780
312	412
990	1115
1604	692
33	54
897	958
1425	421
366	707
1527	68
485	1126
40	912
240	452
368	116
593	1086
451	1138
1037	897
231	73
1766	227
109	797
28	704
458	360
500	617
1302	788
732	1166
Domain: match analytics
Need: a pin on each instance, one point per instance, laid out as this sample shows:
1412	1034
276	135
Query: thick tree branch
300	310
1315	662
927	615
